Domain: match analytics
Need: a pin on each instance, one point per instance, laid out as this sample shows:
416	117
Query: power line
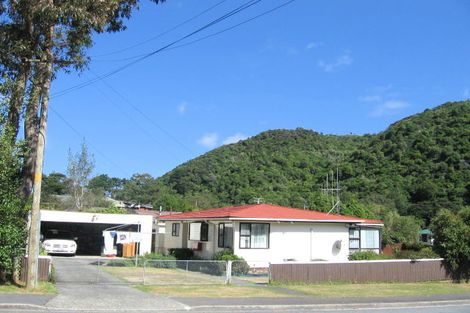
210	35
89	143
138	110
232	27
237	10
125	99
138	125
164	32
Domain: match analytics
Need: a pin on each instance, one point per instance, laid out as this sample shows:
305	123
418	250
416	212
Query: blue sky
336	67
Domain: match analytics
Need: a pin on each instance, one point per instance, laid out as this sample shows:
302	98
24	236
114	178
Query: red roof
267	212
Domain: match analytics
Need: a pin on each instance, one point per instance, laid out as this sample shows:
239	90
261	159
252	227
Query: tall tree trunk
31	126
33	243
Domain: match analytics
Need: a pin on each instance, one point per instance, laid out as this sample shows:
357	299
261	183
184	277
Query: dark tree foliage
54	184
452	242
417	166
13	209
105	185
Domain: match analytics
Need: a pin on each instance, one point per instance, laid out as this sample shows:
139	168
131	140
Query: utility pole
33	241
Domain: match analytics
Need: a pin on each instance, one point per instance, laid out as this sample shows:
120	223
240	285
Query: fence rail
360	271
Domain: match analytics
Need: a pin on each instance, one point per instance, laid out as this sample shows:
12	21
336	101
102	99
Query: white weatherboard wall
173	242
302	242
209	247
145	222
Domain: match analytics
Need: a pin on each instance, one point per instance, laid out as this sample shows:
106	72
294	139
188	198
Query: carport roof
268	212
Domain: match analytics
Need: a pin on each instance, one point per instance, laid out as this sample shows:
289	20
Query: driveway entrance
82	286
81	270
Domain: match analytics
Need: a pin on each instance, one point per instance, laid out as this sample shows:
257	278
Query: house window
175	229
225	238
370	239
199	231
364	239
204	232
354	240
254	236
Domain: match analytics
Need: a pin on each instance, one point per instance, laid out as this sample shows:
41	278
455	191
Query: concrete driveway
83	286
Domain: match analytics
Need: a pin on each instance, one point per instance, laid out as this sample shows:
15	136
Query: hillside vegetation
416	166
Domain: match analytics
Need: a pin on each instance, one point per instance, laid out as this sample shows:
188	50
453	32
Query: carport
88	228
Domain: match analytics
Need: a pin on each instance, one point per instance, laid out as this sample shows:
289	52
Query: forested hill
417	165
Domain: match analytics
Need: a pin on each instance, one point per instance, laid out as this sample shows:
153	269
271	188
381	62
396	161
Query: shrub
414	247
366	255
157	256
452	242
424	253
161	261
211	268
13	209
181	253
121	263
239	266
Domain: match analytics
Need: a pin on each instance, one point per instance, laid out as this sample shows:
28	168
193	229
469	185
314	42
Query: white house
263	233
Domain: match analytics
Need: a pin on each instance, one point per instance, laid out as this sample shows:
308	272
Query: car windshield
59	234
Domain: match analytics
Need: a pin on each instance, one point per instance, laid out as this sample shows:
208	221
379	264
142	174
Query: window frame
221	243
250	236
204	232
175	229
359	239
378	243
222	235
356	239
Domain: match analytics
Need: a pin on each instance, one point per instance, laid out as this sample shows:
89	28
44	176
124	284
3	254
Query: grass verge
345	290
211	291
42	288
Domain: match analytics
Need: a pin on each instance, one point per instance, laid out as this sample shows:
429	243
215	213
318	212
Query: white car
59	242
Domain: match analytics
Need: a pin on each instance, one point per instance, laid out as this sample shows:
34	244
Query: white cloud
313	45
384	100
234	139
182	107
209	140
389	107
466	93
370	98
341	61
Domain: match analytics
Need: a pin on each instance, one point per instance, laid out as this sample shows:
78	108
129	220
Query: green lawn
331	290
344	290
213	291
43	288
162	276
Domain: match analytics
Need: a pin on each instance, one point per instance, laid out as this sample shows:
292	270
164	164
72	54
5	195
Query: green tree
105	185
400	229
40	38
452	242
54	184
13	211
79	170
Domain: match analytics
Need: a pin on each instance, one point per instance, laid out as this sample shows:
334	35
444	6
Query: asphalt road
450	307
454	306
